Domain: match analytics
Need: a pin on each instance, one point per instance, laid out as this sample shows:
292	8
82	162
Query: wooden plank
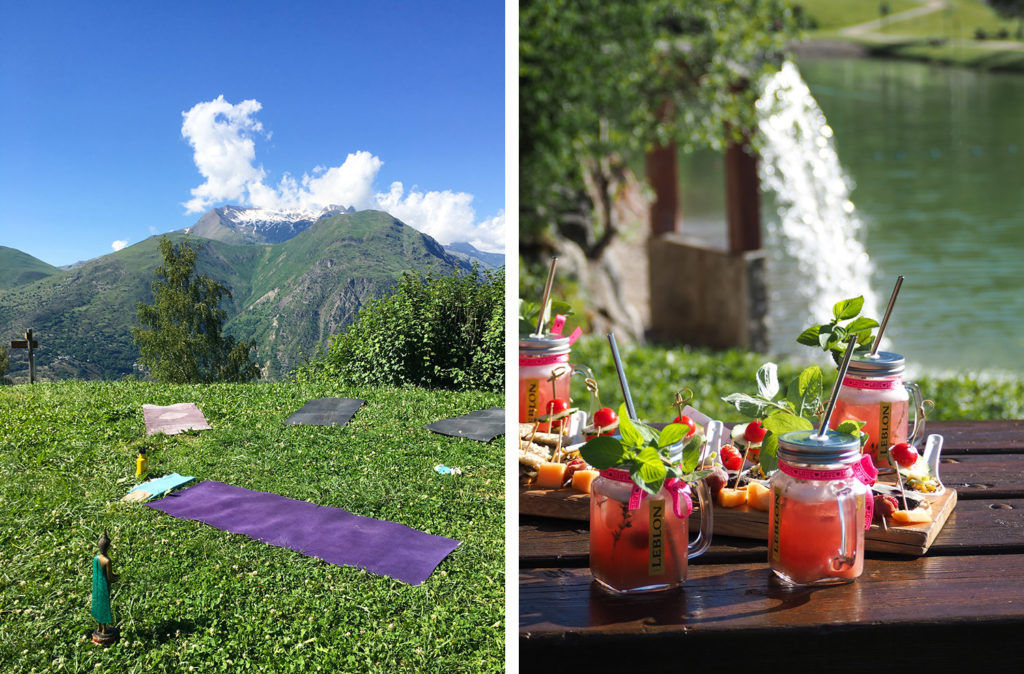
979	437
927	611
985	476
560	503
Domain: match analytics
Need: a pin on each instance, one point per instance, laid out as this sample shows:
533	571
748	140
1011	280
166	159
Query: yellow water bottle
141	463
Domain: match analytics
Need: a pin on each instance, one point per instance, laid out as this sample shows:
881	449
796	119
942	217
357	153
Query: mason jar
874	392
819	508
640	543
544	374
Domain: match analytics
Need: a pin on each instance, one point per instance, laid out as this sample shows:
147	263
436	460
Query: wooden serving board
745	522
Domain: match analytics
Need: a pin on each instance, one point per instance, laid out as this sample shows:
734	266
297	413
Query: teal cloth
100	594
159	486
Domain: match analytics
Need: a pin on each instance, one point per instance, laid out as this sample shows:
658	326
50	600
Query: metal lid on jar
548	344
882	364
808	447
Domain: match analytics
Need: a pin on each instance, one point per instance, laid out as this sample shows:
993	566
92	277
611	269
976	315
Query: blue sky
388	103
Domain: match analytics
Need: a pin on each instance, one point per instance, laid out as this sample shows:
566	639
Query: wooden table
961	604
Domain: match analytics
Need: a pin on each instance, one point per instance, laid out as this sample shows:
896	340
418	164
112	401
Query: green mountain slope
288	297
18	268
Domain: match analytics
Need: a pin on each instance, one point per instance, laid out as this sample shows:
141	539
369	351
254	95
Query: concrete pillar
662	169
707	297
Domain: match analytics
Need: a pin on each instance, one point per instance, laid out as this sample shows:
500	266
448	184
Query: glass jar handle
703	540
847	554
918	402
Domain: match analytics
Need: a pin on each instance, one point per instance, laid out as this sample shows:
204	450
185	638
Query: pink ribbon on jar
863	470
679	490
875	384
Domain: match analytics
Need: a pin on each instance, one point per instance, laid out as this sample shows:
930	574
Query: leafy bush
657	372
443	332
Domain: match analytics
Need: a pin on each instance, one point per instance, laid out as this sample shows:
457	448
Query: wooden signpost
31	345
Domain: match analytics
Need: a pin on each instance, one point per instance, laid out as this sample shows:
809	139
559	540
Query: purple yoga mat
331	534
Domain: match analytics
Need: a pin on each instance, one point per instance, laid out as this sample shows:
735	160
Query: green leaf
649	434
780	423
649	470
672	434
851	426
825	337
604	452
809	337
768	380
769	456
748	406
631	437
804	392
862	323
691	452
845	309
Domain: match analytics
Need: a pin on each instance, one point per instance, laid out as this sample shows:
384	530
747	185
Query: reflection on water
935	155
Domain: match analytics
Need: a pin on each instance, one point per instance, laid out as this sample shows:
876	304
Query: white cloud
223	149
222	136
118	245
447	216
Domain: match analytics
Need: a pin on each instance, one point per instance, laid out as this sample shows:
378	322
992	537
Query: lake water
936	157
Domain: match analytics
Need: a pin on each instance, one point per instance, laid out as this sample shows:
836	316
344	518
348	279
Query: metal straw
850	346
622	377
544	303
888	310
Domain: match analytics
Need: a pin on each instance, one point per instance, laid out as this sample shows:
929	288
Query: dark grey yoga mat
482	425
326	412
331	534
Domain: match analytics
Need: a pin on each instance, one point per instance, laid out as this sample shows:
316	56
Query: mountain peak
238	224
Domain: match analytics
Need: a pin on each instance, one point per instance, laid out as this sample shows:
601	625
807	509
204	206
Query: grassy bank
656	373
193	596
959	32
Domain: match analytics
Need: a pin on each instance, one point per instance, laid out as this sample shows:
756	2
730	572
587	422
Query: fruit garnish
570	470
731	498
717	480
605	419
754	432
683	419
904	454
731	458
758	496
885	505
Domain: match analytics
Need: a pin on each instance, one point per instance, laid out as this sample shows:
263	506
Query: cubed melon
916	516
731	498
758	496
550	474
581	479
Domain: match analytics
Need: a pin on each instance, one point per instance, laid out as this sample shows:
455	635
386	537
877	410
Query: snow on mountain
235	224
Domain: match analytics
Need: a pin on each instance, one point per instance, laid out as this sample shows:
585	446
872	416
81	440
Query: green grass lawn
831	15
191	596
946	35
655	373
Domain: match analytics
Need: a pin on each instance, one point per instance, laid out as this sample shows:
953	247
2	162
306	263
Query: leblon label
656	538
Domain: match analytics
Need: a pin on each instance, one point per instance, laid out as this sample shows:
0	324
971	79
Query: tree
179	335
5	362
601	82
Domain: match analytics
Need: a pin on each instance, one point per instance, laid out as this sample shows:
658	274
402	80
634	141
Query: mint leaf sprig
797	410
846	323
645	453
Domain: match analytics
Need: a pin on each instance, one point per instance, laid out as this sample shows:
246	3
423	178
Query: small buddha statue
102	577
